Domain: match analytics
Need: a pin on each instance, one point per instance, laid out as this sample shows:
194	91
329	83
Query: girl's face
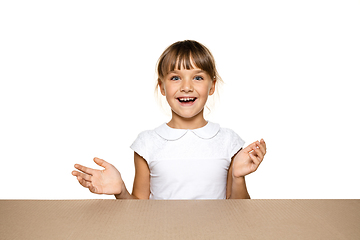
187	91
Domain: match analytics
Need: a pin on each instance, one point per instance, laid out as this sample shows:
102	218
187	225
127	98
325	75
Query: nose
187	86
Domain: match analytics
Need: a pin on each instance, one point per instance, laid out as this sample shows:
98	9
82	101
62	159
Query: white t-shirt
188	164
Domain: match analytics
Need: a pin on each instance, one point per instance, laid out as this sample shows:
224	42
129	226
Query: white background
78	77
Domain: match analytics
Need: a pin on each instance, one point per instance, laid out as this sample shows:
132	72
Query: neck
179	122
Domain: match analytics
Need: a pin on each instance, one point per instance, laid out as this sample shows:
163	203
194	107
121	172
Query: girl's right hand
106	181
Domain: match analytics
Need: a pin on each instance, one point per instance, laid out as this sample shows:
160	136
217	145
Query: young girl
188	157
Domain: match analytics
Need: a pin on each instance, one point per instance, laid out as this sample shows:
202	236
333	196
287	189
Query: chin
189	116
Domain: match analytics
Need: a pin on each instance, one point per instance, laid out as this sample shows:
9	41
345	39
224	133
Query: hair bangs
184	61
175	60
187	55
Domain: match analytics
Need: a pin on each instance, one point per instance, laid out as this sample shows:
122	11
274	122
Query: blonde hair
187	54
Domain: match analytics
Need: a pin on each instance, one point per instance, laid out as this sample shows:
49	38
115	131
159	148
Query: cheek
169	90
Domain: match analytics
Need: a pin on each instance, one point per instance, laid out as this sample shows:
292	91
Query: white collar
171	134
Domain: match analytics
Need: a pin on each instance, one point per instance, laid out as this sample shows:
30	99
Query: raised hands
106	181
248	159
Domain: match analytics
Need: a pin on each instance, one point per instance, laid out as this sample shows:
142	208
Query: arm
141	186
243	163
236	188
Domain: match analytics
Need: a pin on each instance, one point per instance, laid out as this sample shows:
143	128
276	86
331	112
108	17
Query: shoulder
148	136
228	133
231	139
145	134
145	142
224	134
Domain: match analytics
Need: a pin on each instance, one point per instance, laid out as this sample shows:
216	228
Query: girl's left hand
248	159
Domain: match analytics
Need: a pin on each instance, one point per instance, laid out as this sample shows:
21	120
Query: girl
188	157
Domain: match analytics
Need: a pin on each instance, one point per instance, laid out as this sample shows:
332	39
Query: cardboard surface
201	219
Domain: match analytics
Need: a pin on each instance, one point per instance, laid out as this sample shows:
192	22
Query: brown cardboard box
201	219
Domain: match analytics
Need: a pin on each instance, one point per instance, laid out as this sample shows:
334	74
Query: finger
258	152
263	146
92	188
255	164
83	183
249	148
255	160
85	176
102	163
87	184
84	169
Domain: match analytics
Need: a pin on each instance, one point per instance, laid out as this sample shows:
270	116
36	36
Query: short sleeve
236	143
139	145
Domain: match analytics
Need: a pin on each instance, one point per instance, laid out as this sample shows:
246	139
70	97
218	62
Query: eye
198	78
175	78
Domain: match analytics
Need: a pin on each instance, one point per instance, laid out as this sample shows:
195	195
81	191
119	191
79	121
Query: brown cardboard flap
200	219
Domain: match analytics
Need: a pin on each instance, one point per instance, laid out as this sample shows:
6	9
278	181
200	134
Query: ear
161	87
212	88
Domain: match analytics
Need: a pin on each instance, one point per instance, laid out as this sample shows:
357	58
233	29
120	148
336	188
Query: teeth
186	99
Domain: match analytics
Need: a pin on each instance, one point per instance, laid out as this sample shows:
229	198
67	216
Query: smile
185	100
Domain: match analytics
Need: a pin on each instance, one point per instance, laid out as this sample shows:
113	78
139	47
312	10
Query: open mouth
187	100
